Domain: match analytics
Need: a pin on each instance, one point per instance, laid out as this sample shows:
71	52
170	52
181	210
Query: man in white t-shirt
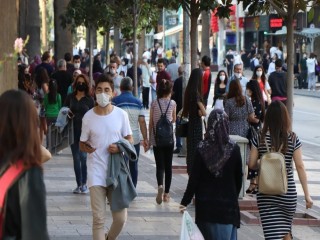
102	126
311	65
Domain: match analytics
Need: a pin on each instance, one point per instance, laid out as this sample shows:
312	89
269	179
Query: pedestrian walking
206	79
134	109
193	109
220	90
238	75
24	206
311	65
216	180
162	106
79	102
52	102
258	104
277	211
260	76
177	97
146	75
278	83
102	127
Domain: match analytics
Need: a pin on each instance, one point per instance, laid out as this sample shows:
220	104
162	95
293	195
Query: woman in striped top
162	154
276	211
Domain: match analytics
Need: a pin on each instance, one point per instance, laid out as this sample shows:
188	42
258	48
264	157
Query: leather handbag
273	173
182	128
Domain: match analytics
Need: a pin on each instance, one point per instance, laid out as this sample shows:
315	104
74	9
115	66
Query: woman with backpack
276	211
23	212
162	115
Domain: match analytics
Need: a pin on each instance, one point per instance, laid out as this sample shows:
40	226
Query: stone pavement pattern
69	215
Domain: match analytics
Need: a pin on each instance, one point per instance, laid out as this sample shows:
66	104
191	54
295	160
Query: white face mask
112	71
238	75
76	65
145	60
259	73
222	78
103	99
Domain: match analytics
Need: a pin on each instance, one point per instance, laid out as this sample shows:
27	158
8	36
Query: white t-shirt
311	64
117	81
101	131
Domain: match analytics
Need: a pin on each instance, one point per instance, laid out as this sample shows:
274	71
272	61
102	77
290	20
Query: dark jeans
134	166
230	70
79	159
216	231
178	139
145	97
163	157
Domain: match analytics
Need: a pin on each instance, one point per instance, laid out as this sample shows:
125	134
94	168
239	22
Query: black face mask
81	87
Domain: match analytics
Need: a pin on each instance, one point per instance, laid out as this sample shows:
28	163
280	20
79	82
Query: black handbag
182	128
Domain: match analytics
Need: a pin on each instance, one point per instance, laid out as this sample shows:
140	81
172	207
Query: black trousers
145	97
163	157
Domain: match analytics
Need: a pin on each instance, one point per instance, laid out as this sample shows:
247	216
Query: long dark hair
263	76
164	88
18	129
52	94
253	86
86	79
235	91
193	88
278	123
218	81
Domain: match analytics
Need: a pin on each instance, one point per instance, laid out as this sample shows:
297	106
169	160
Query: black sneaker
177	150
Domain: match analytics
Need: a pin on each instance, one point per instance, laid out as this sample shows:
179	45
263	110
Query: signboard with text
275	23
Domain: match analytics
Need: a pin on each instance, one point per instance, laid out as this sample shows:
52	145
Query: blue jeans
217	231
134	166
153	94
79	160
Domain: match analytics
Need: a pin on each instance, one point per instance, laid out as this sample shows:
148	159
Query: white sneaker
77	190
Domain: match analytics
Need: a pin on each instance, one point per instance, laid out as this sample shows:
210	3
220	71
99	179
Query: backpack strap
6	181
268	150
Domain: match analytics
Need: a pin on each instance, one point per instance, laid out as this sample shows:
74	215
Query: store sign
276	23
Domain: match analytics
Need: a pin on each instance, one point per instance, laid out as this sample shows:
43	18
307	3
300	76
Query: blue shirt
133	106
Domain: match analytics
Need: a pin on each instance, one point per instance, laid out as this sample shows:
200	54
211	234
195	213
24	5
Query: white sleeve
85	131
267	87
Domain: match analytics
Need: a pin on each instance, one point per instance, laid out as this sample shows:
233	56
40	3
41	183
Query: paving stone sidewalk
69	215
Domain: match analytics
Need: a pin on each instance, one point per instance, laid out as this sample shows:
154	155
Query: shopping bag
189	230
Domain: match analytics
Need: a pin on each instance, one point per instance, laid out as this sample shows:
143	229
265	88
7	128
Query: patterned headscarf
217	146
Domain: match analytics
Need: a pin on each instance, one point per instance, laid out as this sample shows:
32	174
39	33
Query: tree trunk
290	58
117	42
194	41
187	68
135	70
107	45
43	7
205	49
94	39
62	37
8	25
29	24
142	43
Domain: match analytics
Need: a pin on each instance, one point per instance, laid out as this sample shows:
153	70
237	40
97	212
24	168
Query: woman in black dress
253	91
220	89
193	108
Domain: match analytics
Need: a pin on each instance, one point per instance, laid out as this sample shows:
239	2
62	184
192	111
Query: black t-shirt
278	84
230	58
64	80
130	74
78	108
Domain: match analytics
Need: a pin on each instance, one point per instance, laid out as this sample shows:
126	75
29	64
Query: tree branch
280	11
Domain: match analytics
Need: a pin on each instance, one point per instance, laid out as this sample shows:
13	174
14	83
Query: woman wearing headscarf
216	180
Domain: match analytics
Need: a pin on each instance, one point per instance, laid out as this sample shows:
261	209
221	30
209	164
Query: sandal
252	188
166	197
159	195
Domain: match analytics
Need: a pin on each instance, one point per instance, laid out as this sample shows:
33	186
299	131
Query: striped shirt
134	109
157	113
